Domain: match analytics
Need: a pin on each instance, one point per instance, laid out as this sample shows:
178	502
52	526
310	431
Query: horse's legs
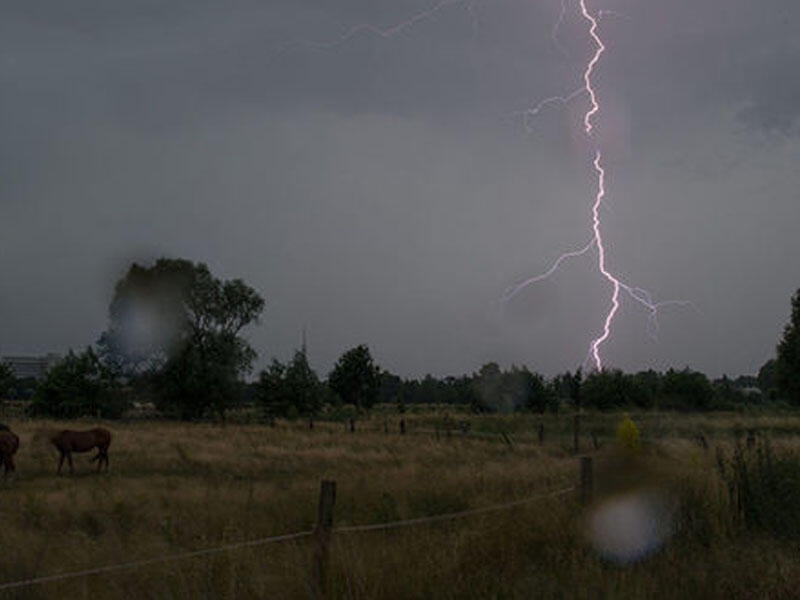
60	462
69	460
102	457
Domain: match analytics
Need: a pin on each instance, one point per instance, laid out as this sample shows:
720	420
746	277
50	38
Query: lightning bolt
380	32
601	190
639	295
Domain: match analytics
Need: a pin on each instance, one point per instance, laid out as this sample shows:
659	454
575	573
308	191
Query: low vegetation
177	487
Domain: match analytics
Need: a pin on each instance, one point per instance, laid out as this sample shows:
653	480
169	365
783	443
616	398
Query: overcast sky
383	189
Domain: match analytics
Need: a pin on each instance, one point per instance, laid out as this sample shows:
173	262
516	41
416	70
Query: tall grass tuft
764	488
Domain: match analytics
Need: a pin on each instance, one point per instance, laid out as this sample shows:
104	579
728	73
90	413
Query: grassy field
180	487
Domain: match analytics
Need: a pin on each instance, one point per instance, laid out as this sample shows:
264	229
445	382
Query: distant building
32	366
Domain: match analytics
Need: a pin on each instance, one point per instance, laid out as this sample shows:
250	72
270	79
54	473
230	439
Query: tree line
174	340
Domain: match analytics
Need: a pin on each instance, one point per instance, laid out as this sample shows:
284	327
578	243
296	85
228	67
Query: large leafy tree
177	326
787	368
356	378
79	385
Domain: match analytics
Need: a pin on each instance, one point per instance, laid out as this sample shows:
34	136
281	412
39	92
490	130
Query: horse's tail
104	436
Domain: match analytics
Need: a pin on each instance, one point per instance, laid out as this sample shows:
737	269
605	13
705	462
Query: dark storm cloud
168	62
150	62
381	190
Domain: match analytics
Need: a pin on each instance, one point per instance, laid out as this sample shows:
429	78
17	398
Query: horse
9	443
67	442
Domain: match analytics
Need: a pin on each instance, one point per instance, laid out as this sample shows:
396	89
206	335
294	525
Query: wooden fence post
576	426
402	426
587	481
322	533
541	433
352	425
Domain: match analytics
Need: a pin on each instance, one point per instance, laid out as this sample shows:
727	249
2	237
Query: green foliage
788	362
686	390
80	385
176	326
290	390
610	389
356	378
628	436
202	378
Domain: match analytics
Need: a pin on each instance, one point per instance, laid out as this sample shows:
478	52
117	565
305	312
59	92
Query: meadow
176	487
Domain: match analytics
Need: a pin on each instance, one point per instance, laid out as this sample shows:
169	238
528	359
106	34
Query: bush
628	436
79	386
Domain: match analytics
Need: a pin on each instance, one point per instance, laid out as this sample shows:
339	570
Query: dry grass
178	487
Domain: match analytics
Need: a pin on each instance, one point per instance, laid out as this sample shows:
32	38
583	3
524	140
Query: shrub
628	436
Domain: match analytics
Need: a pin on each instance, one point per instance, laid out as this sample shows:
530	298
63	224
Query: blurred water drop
628	528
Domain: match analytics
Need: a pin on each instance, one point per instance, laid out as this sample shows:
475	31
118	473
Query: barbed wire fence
322	533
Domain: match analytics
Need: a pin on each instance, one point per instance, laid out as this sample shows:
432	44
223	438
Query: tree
787	371
686	389
356	378
179	326
272	392
612	388
303	386
569	386
647	385
487	386
80	385
768	379
7	379
538	395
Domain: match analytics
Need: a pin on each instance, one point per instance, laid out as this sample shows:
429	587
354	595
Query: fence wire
277	538
135	564
449	516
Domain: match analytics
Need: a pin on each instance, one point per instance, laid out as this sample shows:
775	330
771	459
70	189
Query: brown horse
67	442
9	443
